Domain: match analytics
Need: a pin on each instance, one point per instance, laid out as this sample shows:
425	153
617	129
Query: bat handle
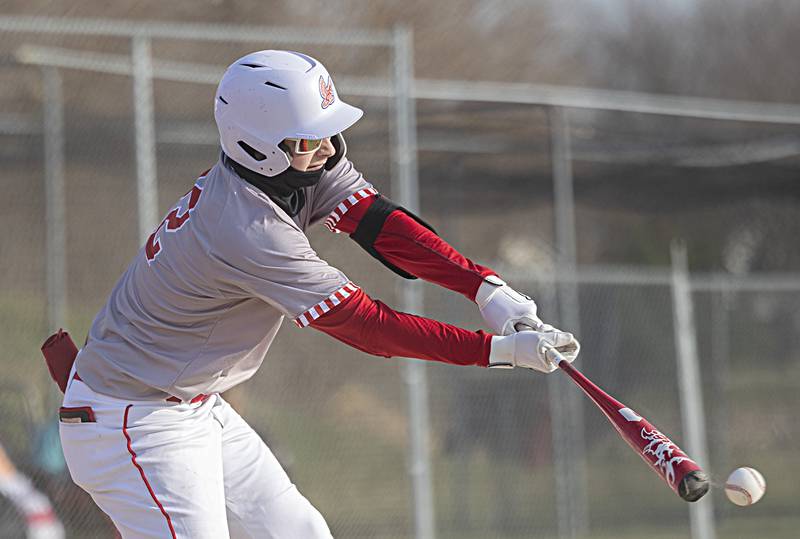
519	326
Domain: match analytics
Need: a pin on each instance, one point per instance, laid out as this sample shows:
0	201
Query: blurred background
631	165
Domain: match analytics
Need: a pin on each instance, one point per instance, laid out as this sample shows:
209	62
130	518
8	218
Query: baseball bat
683	475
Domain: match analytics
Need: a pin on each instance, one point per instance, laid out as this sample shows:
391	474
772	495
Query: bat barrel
683	475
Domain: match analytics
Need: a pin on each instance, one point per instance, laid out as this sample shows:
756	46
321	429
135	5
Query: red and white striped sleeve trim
345	205
325	305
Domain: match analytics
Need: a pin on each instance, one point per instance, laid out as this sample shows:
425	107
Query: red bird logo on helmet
326	91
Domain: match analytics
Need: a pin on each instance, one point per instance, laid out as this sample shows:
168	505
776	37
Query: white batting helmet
268	96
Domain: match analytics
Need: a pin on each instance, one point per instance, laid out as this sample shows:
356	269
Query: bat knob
693	486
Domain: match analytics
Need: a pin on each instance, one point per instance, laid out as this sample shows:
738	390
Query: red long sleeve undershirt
375	328
419	251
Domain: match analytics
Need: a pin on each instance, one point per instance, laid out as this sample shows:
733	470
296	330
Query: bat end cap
693	486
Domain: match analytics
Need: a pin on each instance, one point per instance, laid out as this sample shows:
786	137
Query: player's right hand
533	350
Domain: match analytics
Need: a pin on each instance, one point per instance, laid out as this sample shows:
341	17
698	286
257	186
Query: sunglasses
303	146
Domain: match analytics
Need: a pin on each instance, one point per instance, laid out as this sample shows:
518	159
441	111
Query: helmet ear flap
341	149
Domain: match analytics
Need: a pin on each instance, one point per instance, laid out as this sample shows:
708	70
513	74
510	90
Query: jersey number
172	222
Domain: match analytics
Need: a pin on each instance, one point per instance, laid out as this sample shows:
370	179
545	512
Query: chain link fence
339	421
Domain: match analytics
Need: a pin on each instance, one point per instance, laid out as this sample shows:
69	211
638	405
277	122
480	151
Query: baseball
745	486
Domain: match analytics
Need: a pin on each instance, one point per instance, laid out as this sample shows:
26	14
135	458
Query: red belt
199	398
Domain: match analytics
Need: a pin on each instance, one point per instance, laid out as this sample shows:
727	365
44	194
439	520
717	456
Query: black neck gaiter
284	189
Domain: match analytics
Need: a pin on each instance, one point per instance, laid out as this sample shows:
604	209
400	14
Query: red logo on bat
326	91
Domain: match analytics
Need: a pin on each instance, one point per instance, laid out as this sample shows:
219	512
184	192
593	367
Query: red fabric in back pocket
59	353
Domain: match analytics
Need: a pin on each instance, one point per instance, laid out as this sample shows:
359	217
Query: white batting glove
502	307
532	350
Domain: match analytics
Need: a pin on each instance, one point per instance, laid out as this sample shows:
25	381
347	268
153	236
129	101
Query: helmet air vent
254	66
252	152
268	83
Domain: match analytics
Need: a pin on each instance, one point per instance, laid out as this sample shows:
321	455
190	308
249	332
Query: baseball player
143	427
41	521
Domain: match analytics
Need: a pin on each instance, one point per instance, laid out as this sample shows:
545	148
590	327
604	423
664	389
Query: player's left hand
503	308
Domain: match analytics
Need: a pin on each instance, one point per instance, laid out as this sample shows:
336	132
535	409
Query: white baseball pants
180	471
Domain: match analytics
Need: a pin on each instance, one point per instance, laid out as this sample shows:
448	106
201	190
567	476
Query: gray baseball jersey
198	307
